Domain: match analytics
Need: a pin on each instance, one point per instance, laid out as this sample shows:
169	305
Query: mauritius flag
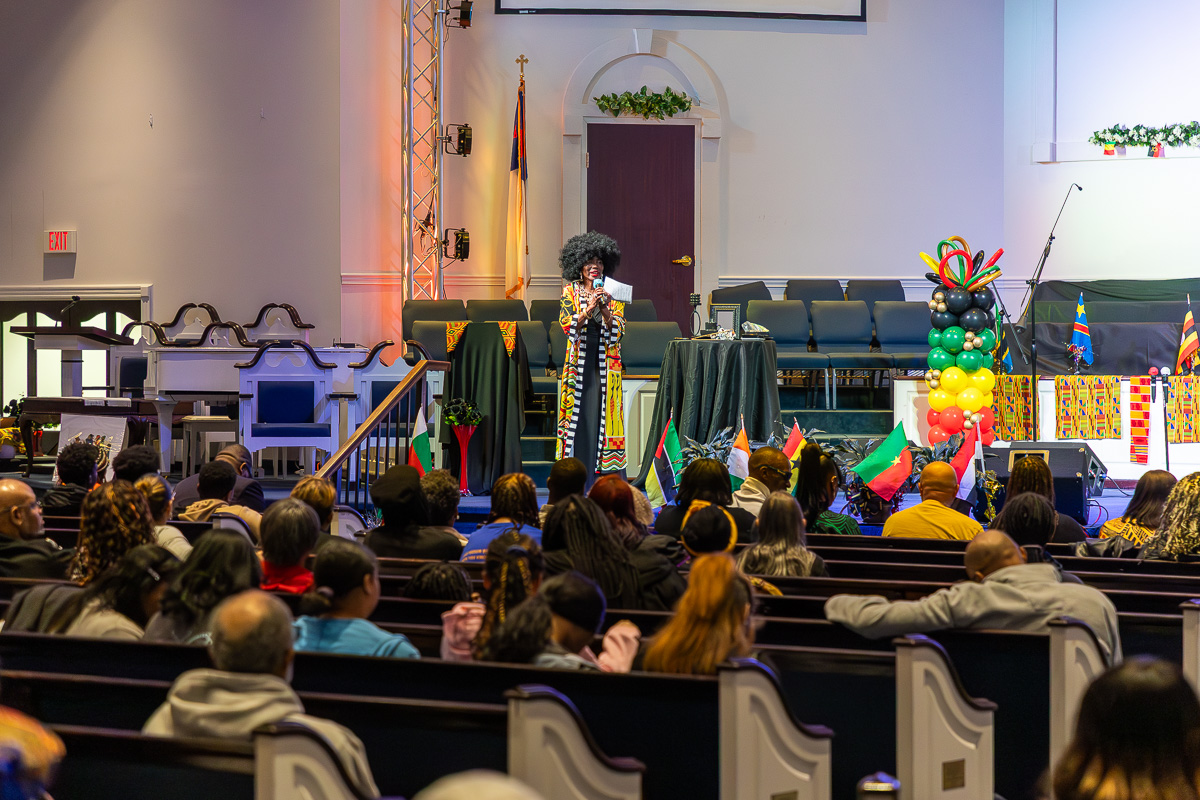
888	466
419	454
662	478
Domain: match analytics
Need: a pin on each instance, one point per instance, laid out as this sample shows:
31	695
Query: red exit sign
58	242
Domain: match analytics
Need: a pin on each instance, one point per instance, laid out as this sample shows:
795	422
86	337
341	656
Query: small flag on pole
419	453
516	260
1081	337
964	462
739	459
663	475
1188	343
888	466
791	449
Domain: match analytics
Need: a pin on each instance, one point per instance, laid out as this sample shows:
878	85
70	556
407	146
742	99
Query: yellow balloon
940	399
969	400
930	261
954	380
983	379
989	398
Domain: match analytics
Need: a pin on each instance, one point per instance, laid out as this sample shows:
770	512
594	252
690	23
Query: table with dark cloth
482	371
709	385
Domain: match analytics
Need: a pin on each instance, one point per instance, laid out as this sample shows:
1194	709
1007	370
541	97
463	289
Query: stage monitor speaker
1078	473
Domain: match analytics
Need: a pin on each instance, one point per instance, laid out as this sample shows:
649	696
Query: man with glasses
24	552
769	471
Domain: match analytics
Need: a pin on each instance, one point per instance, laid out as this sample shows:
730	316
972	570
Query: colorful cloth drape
1087	406
454	332
1182	426
1013	408
1139	419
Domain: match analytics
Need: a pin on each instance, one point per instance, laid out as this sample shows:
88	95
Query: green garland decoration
1180	134
659	105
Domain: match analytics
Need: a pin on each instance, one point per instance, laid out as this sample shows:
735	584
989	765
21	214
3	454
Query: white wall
216	202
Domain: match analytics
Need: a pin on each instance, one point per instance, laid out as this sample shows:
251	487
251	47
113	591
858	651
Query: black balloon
991	319
984	298
973	319
943	319
958	301
933	278
978	260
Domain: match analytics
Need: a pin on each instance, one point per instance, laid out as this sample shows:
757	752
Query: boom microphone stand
1033	284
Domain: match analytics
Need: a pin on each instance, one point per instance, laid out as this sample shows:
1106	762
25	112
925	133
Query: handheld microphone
597	284
1153	383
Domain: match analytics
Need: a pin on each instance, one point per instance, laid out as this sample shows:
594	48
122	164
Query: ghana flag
661	480
888	466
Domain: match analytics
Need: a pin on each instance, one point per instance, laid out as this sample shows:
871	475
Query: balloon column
961	341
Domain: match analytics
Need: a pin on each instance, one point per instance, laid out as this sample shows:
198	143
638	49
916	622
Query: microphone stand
1004	315
1033	284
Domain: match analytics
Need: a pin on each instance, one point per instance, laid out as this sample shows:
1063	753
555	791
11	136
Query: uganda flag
1188	343
888	466
661	480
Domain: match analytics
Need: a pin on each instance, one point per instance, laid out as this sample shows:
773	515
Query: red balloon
989	418
988	437
938	434
933	416
952	419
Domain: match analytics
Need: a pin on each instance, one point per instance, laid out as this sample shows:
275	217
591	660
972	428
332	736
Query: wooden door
641	190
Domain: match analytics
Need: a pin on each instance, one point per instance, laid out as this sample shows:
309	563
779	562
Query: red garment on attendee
296	580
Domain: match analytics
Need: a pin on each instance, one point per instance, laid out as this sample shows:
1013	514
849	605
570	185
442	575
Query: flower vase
37	442
463	433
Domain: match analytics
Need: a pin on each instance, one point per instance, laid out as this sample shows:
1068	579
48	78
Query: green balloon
969	360
935	338
988	361
953	338
940	359
989	340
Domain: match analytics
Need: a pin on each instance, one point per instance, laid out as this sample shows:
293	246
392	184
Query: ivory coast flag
791	447
739	459
887	467
419	454
663	476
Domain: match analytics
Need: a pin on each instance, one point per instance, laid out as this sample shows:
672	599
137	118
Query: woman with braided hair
1178	535
114	519
591	417
514	507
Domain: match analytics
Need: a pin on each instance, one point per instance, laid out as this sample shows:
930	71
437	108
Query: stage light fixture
458	143
461	247
464	14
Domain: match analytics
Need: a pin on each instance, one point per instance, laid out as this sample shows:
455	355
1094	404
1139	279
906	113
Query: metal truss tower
424	40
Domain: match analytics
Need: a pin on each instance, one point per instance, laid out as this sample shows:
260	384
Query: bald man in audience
24	550
933	518
252	652
769	471
1004	592
247	491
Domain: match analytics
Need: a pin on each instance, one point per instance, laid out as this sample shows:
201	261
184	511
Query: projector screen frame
801	9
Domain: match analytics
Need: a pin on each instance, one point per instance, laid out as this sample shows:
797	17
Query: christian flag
516	260
419	454
888	466
1188	343
1081	337
663	475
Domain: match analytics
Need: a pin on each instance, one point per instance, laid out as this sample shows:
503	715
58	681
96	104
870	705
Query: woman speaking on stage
591	420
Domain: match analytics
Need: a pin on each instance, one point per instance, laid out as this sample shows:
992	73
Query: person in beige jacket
217	481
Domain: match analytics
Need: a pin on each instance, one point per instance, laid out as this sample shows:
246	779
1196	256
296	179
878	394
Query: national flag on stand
739	459
888	466
1188	343
516	260
791	449
1080	336
419	454
663	475
964	462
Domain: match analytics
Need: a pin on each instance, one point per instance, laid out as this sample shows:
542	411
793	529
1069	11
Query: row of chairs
811	290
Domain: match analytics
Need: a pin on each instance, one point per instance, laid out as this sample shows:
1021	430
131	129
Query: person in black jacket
24	552
76	477
247	492
704	479
406	531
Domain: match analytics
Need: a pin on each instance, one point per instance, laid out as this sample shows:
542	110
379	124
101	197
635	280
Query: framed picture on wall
841	10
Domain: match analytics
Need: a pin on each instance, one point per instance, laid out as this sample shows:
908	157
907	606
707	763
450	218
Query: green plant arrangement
659	105
860	499
1180	134
717	447
458	411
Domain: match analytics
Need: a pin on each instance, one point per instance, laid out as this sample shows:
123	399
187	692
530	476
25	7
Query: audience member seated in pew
121	601
32	753
567	476
617	499
708	528
1135	737
159	499
1004	592
478	784
77	474
1145	510
320	495
1033	475
289	533
222	564
246	491
704	479
445	580
134	462
780	550
252	656
216	484
24	550
406	531
441	492
514	507
711	624
1029	520
817	484
554	627
115	520
769	471
344	593
577	537
1178	535
512	571
933	517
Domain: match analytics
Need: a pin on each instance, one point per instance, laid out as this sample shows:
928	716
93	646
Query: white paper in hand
619	291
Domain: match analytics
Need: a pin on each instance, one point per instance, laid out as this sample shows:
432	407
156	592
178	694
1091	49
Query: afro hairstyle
582	248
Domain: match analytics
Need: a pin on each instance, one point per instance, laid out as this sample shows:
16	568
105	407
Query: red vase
463	434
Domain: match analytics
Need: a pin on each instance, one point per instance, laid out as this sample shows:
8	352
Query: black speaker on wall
1078	473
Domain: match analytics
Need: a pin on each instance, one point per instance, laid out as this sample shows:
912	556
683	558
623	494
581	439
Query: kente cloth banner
107	433
1139	419
454	332
1182	427
1088	407
1013	408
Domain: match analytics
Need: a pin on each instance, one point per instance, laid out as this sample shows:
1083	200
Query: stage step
537	448
841	423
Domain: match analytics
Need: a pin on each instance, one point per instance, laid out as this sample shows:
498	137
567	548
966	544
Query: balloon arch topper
962	341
